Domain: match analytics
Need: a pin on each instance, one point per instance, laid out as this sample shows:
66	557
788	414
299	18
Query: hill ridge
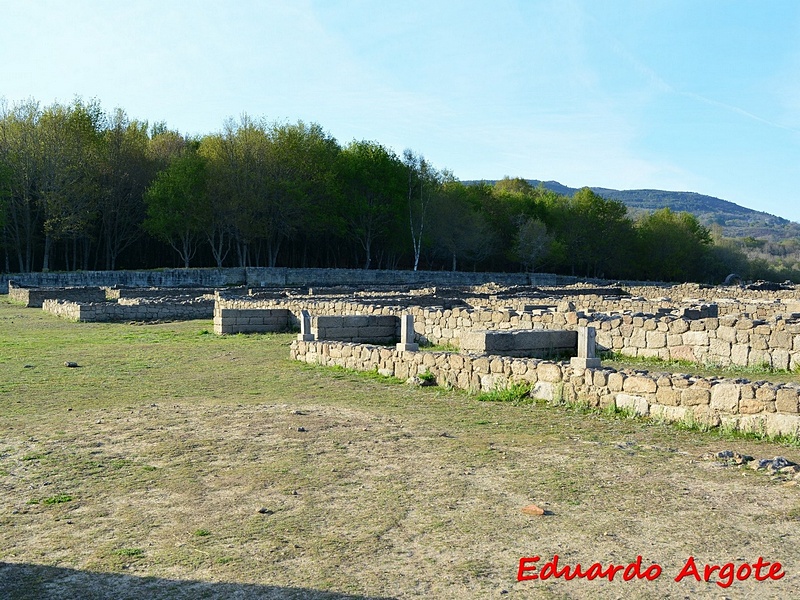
734	220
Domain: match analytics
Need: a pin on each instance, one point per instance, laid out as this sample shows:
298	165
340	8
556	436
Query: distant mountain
735	221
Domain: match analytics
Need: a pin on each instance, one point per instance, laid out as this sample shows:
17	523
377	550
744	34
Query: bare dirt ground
174	464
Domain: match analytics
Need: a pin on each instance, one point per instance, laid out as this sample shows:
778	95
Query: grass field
173	463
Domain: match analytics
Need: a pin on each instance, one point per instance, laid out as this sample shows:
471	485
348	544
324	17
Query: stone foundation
540	343
754	407
35	297
134	311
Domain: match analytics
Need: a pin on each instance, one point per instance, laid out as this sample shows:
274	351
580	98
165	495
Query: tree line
84	189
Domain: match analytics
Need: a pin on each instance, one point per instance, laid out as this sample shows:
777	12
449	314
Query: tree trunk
48	241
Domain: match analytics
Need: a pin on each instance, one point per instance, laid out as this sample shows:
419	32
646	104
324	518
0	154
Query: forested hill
736	221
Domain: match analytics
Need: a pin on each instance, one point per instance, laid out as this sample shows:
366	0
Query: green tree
459	231
424	184
533	243
374	184
172	204
674	246
130	160
70	140
593	235
20	149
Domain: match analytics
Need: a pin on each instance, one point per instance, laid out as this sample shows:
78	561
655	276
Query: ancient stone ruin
489	336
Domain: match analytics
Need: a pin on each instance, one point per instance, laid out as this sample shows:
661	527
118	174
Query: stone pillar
407	334
305	334
586	358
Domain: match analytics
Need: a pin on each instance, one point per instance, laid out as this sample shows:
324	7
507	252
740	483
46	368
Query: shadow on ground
38	582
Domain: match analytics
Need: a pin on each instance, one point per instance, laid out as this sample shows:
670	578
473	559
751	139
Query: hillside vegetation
733	220
84	189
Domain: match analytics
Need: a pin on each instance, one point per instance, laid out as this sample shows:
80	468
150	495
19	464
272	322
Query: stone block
786	400
549	372
696	338
584	363
720	348
668	396
656	339
725	397
779	424
637	404
678	326
750	406
682	353
640	384
780	359
781	339
739	354
693	396
616	381
727	334
544	390
670	414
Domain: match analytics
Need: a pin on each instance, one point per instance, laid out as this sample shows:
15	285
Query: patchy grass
516	393
765	372
442	347
326	483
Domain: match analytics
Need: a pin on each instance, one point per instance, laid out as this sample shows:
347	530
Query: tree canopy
81	188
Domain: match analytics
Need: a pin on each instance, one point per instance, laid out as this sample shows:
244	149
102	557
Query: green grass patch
763	371
129	552
443	347
517	393
57	499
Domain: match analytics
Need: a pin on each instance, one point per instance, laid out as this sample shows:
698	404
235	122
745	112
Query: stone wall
116	293
541	343
727	340
34	297
737	404
153	310
272	277
763	308
377	329
255	320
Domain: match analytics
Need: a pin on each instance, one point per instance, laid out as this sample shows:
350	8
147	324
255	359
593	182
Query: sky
696	95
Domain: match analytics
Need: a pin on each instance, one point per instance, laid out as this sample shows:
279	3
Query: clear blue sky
693	95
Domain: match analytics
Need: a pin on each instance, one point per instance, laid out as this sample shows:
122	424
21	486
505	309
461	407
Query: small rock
532	510
773	464
70	364
266	511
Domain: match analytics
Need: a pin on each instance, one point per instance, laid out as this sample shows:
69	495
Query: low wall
116	293
273	277
540	343
727	340
139	311
737	404
34	297
236	320
377	329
